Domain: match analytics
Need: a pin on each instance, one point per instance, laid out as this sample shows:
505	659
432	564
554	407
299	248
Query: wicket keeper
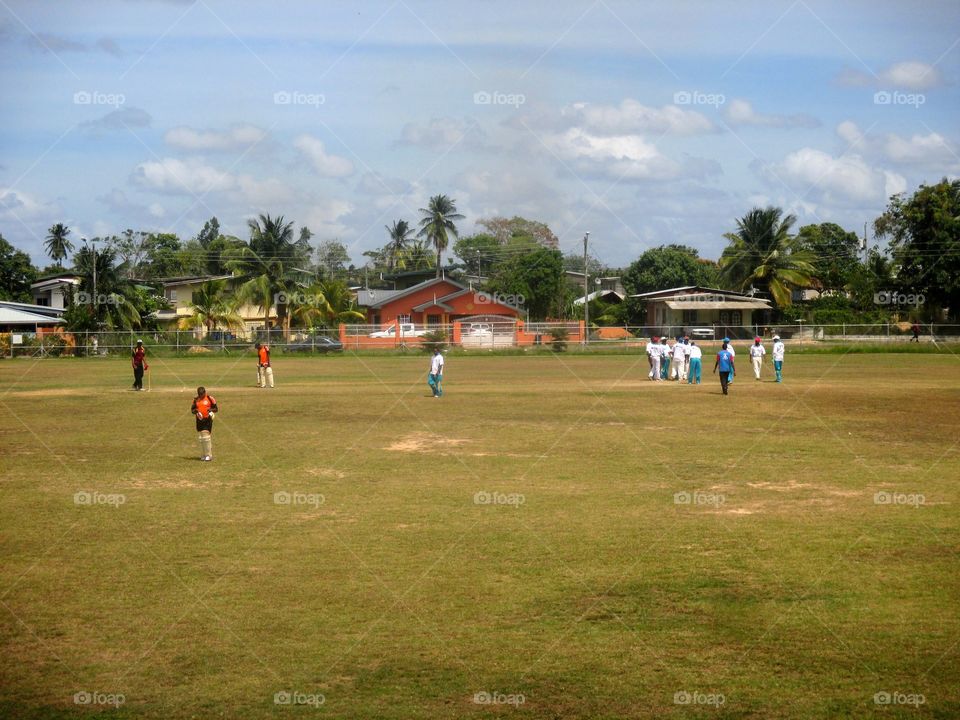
264	371
203	408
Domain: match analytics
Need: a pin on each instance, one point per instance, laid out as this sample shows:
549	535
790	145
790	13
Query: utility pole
479	274
586	292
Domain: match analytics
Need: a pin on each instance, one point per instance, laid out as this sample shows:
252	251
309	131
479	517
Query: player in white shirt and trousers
778	350
679	368
653	355
664	359
757	351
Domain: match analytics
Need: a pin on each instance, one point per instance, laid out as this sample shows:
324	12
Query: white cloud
326	165
629	156
16	204
929	151
838	179
630	117
442	133
912	75
191	177
741	112
323	217
236	137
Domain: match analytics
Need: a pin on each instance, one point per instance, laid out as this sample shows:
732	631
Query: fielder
757	351
139	363
264	370
733	354
725	363
203	408
778	351
679	371
435	378
665	354
694	371
653	355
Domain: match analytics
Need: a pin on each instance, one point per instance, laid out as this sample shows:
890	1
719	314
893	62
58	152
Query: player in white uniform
693	372
435	379
679	367
653	356
778	351
664	359
757	351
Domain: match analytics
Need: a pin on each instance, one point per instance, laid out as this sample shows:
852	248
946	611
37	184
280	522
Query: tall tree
16	273
332	259
504	230
401	234
538	277
266	264
437	224
481	253
211	306
209	233
419	257
924	233
762	253
114	302
835	253
58	245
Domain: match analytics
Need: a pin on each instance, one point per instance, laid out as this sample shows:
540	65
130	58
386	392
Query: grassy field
557	537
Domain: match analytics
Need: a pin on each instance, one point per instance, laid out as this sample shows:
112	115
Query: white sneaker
206	458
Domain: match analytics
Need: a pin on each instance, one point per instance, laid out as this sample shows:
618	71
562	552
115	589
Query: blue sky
644	123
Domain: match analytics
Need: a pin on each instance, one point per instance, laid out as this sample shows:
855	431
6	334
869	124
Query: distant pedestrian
264	368
778	350
693	372
724	363
757	351
435	379
916	332
203	408
139	363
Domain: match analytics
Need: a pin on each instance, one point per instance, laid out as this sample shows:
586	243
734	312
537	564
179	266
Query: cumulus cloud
19	205
174	176
442	133
930	151
234	138
631	117
907	75
741	112
322	162
840	180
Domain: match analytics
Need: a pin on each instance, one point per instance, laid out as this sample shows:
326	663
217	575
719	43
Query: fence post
176	334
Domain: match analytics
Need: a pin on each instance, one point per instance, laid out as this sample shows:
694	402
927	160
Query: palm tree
437	224
763	253
400	236
419	256
210	307
266	266
113	305
57	244
340	306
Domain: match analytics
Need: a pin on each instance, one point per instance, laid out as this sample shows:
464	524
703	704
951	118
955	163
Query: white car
407	330
479	329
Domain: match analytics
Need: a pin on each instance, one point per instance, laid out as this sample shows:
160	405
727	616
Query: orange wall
464	305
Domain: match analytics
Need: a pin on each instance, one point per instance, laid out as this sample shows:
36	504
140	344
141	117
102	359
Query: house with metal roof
24	317
692	306
437	301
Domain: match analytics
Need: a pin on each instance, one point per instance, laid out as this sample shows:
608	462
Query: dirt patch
425	443
326	472
786	487
50	392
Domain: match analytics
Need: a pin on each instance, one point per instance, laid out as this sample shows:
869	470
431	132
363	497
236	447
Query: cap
139	342
726	339
756	339
776	337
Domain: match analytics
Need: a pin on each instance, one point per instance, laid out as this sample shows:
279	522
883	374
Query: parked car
321	344
407	330
478	329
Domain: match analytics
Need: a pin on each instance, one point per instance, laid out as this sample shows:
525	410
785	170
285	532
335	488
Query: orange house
439	301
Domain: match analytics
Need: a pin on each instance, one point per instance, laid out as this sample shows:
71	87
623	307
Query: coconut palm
266	265
401	235
419	256
437	224
113	302
57	245
764	254
210	306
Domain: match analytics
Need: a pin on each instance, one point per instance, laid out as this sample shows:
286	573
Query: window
44	301
171	295
434	319
689	317
403	318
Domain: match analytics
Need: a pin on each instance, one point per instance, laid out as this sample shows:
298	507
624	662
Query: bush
434	340
558	339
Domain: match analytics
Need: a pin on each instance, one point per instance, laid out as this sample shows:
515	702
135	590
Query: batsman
203	408
264	371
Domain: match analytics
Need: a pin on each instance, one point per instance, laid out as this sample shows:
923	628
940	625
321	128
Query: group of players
682	360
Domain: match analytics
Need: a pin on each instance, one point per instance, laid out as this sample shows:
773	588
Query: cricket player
203	408
778	350
139	363
694	370
435	379
264	370
679	371
653	356
757	351
733	353
724	362
665	354
686	353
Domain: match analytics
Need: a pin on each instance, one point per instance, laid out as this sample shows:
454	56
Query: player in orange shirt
264	371
203	408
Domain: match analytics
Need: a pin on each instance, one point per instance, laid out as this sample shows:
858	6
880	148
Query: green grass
793	595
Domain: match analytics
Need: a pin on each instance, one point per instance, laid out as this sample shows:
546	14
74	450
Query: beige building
178	292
